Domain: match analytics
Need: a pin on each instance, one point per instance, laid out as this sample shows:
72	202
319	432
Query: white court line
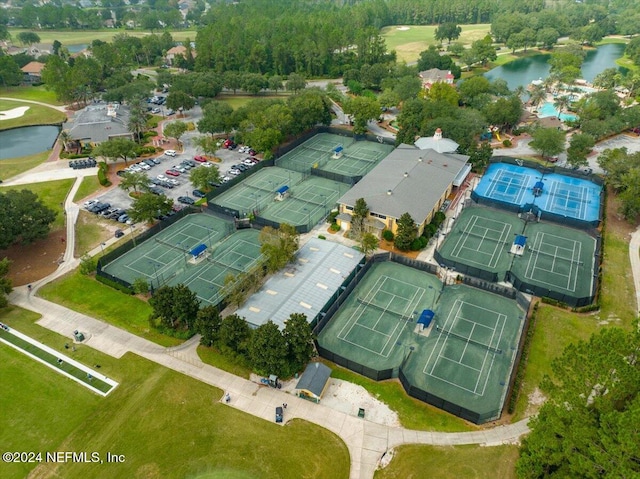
533	267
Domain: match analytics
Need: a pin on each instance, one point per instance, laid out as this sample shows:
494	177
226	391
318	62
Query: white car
179	168
242	149
162	178
144	166
173	181
170	152
206	165
135	168
233	172
225	179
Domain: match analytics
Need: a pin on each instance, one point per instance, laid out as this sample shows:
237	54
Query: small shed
282	193
198	250
424	321
337	152
537	188
519	245
313	382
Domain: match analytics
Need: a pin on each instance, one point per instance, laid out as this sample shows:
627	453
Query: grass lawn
85	295
417	461
413	414
15	166
91	230
221	361
556	328
409	43
51	193
35	115
165	424
33	93
237	101
89	185
76	37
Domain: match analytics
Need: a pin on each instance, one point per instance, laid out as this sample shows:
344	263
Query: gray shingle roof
408	180
314	378
92	123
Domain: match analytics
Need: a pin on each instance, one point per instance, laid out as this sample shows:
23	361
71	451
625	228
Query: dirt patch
535	400
388	246
37	260
615	221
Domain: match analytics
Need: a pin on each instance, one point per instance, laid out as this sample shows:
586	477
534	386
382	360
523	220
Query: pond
78	47
28	140
524	70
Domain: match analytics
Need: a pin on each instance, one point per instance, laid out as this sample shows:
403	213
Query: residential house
435	75
32	73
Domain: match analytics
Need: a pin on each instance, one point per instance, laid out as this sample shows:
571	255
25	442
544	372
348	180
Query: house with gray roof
313	382
409	180
99	122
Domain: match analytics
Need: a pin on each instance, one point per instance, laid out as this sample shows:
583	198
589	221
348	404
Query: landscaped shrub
145	150
419	243
388	235
332	216
506	143
102	174
429	230
153	122
438	219
335	227
322	237
88	264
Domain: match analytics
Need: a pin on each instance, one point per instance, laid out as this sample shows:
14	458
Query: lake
27	140
524	70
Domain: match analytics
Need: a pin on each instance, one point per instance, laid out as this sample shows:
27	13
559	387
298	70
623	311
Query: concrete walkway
62	108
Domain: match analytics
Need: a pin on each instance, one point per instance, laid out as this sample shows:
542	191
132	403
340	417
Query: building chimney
389	192
438	134
406	174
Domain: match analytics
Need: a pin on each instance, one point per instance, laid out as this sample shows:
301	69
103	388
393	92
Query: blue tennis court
576	198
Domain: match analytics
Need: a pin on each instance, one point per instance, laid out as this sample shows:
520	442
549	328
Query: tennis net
384	310
319	205
165	243
484	237
259	188
468	340
359	158
313	148
224	265
554	256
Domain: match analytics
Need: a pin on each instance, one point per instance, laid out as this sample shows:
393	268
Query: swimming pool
547	109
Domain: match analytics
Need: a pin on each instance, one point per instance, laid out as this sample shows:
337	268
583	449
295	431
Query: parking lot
118	198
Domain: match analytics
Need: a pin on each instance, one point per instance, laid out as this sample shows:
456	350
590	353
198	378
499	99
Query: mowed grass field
409	40
14	166
468	462
165	424
34	93
51	193
77	37
35	115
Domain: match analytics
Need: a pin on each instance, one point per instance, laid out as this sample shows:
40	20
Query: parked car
185	166
170	152
233	172
170	112
206	165
172	172
119	233
252	152
156	161
186	200
248	162
225	179
155	110
279	414
198	193
156	191
191	163
227	143
150	163
200	158
123	218
179	168
173	181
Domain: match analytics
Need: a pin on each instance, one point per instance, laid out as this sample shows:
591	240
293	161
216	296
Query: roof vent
445	165
420	159
406	174
389	192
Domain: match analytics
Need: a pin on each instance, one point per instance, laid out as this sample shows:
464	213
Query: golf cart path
62	108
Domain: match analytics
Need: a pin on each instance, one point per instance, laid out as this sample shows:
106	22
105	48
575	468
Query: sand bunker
402	29
13	113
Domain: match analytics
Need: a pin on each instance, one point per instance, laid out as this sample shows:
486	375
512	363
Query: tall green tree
268	350
116	149
23	218
362	109
136	180
630	197
358	215
368	243
208	322
278	246
548	141
234	334
588	427
137	122
406	232
175	129
449	31
148	206
28	38
10	73
216	118
296	82
484	50
5	282
174	307
203	177
179	101
580	145
299	340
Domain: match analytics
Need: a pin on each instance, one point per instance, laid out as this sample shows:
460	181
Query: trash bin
361	412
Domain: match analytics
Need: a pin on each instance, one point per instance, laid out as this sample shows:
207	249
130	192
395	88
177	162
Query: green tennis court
308	202
482	238
258	191
467	357
164	258
359	158
374	326
558	258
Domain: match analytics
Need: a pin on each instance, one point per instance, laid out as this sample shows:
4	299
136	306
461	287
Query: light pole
133	236
102	245
308	216
155	271
184	253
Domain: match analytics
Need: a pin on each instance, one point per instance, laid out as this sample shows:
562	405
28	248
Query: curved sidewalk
365	440
634	256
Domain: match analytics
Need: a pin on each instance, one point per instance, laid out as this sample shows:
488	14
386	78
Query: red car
227	143
172	173
201	159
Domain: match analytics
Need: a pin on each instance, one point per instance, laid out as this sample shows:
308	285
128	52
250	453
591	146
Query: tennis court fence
332	175
468	270
536	290
429	398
